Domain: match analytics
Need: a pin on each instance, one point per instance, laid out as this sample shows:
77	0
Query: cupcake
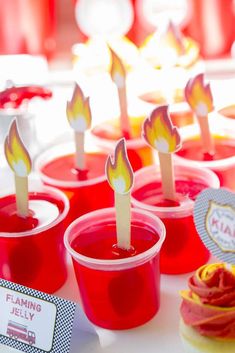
208	310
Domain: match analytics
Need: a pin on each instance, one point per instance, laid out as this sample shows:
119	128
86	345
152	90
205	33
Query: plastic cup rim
56	221
131	143
118	262
216	164
135	142
188	206
40	162
221	107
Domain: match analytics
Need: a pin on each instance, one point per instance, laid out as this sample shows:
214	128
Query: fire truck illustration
18	331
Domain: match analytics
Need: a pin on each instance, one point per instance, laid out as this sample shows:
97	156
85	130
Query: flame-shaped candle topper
119	172
199	97
117	71
79	117
173	39
16	154
120	177
160	134
19	161
78	111
118	75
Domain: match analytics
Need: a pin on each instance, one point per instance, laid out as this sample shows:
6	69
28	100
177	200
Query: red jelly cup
88	190
119	289
223	161
32	249
180	113
106	135
183	250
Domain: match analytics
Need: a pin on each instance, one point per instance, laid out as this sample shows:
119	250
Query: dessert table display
161	332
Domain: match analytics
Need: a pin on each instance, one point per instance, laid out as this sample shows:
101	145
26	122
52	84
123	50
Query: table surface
157	336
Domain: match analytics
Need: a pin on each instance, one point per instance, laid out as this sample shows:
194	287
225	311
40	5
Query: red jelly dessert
32	251
180	113
119	288
222	161
87	190
183	249
108	133
224	148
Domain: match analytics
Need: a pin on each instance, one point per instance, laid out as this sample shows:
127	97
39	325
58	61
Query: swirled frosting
209	304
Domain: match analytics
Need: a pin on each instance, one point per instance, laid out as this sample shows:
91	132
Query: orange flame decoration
198	96
16	154
119	172
117	71
173	39
159	132
78	111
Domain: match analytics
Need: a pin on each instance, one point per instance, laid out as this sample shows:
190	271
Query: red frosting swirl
209	305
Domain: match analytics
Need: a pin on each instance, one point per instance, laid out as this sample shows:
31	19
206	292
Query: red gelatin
224	149
177	254
182	251
32	251
180	113
117	299
192	149
182	118
108	133
87	190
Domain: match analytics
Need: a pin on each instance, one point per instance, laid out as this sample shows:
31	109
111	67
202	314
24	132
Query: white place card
214	217
33	321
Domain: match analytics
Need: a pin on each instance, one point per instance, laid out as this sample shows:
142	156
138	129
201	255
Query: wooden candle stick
199	97
79	138
19	161
161	135
120	177
206	137
167	174
123	220
118	75
22	198
79	117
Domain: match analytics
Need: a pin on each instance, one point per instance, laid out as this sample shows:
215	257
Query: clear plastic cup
32	249
226	115
183	250
119	289
180	113
106	135
223	162
87	191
